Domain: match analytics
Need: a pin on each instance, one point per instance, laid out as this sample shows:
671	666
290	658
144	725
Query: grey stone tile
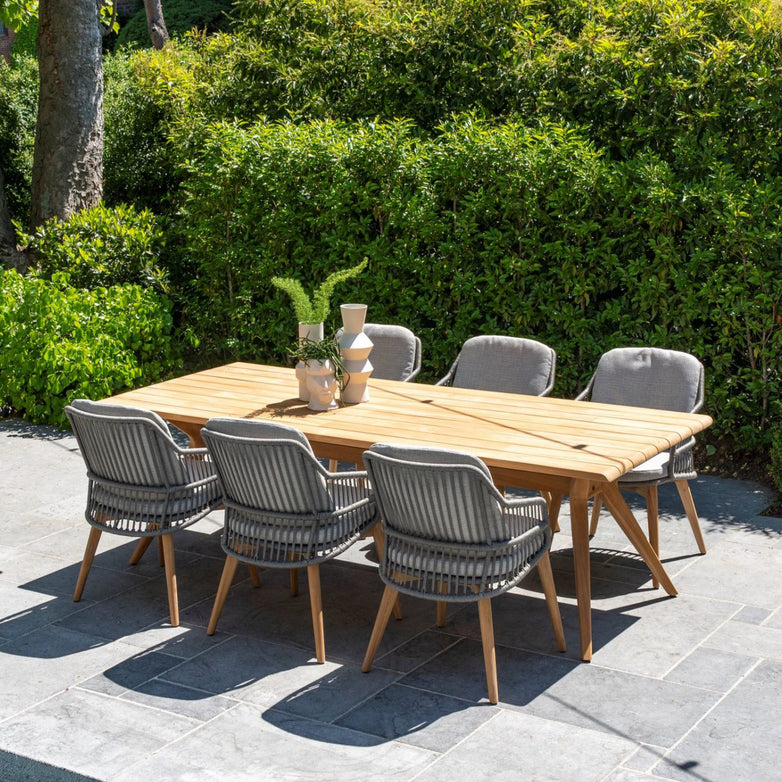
45	661
738	739
628	775
752	615
644	759
284	677
424	719
637	707
711	668
115	734
131	673
21	529
775	620
416	651
530	748
23	611
741	638
183	641
245	744
186	701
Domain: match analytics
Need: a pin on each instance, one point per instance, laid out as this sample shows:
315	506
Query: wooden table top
516	435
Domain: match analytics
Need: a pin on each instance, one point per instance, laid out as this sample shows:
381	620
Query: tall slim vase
355	347
314	333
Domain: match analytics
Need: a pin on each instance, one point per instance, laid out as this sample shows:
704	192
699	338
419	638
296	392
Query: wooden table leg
624	517
579	520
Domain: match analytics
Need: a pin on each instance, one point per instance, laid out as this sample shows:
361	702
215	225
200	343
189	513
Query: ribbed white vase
313	332
355	347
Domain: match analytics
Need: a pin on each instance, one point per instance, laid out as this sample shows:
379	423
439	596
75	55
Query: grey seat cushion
502	363
652	469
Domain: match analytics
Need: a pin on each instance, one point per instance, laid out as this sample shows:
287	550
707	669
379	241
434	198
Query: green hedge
502	229
58	343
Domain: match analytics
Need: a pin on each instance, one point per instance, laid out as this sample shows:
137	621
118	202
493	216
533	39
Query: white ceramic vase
355	347
313	332
321	385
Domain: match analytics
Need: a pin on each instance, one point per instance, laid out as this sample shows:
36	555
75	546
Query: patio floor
684	688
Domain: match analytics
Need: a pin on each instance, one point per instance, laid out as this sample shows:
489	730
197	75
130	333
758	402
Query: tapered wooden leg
256	579
294	581
487	639
653	524
333	465
222	592
597	504
313	579
380	547
161	552
442	607
579	518
554	504
383	614
547	582
86	562
173	600
138	552
692	515
625	519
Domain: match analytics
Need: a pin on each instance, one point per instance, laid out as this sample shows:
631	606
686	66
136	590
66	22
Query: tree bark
68	158
156	24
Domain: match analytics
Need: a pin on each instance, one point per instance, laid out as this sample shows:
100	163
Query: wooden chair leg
381	621
597	504
554	501
173	600
333	465
380	547
294	571
138	552
441	606
547	582
316	606
653	524
489	656
222	592
256	579
161	552
692	515
86	562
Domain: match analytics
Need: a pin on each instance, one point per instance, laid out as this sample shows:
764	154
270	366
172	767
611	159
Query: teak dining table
553	445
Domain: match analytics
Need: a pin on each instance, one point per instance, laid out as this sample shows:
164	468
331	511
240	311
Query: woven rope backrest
440	502
127	450
508	364
393	355
649	377
274	475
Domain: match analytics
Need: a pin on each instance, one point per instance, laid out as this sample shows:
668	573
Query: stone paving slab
684	688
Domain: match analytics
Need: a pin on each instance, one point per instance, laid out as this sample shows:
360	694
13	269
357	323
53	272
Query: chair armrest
448	377
523	514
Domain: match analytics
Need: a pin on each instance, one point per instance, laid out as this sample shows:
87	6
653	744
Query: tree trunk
68	162
156	24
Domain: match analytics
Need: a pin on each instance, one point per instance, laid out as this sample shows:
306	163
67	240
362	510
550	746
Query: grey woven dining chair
140	483
283	509
501	363
452	537
665	380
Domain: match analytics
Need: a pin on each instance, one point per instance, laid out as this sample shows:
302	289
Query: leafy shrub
490	229
101	247
776	455
18	108
25	41
180	16
58	343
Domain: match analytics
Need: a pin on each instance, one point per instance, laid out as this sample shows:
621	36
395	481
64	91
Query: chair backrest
435	494
396	351
649	377
266	466
502	363
126	445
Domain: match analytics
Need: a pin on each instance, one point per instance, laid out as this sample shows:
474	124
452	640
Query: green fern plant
315	309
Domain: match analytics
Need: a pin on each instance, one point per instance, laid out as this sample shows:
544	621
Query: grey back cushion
121	411
264	430
501	363
648	377
393	351
424	455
